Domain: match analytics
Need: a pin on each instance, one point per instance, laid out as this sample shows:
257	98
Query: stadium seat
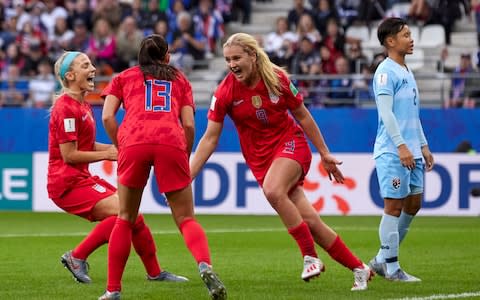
415	32
399	10
415	61
432	36
359	32
373	42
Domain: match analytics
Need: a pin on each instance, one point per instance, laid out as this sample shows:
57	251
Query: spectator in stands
328	63
371	10
82	12
356	57
348	11
209	21
129	38
34	56
29	37
161	28
60	39
13	56
225	8
243	6
420	10
8	34
22	16
50	14
341	88
188	44
151	15
295	13
42	87
334	39
13	89
81	38
447	12
280	44
459	78
306	28
172	14
108	10
306	62
102	43
322	12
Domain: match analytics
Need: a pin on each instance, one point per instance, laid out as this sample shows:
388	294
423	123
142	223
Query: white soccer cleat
312	267
362	276
400	275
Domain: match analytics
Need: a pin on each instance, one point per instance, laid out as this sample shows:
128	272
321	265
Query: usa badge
257	101
274	98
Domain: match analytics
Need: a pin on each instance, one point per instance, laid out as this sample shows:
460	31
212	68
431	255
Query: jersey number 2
158	95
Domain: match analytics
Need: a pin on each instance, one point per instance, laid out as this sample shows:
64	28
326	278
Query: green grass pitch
254	256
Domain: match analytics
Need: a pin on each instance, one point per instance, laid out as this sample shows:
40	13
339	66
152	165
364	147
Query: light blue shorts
396	181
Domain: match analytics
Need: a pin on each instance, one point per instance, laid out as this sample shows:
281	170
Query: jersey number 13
158	95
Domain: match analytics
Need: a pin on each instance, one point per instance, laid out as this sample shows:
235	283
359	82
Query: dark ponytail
152	58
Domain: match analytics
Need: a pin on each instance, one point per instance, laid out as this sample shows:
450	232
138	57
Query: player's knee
273	195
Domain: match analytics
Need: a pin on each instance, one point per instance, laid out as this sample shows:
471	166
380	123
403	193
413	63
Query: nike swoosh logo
238	102
84	117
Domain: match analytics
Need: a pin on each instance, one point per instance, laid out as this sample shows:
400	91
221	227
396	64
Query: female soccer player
72	147
258	96
157	130
399	147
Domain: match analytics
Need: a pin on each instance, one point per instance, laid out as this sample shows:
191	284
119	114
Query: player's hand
428	157
111	153
330	164
406	157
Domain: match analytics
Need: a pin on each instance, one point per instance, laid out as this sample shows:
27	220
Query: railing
434	89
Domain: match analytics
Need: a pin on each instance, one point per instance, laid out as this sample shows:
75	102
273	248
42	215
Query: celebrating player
157	130
72	147
258	96
399	147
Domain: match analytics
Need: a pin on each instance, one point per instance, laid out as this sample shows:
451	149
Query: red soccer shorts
85	194
171	167
295	148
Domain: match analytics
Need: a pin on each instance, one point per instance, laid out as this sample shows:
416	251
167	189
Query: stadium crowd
309	40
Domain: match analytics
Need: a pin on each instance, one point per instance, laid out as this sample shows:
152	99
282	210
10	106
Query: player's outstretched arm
206	146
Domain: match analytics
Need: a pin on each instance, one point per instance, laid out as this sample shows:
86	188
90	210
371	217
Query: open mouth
236	71
90	79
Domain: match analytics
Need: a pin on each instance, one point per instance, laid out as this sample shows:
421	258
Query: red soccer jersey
262	121
70	121
152	108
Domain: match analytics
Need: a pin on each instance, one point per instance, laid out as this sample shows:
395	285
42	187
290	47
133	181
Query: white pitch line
224	230
160	232
442	296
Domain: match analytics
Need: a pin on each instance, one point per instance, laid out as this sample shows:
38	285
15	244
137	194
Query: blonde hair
269	72
62	79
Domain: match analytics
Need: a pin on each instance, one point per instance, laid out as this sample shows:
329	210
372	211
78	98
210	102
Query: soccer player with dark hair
399	147
157	130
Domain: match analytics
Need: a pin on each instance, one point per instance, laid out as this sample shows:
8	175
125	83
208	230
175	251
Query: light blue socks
390	240
403	224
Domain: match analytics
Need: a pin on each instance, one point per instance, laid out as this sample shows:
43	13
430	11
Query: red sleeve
67	121
219	103
114	88
293	98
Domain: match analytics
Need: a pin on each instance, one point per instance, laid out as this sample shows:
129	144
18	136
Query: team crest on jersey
274	98
396	183
293	89
99	188
257	101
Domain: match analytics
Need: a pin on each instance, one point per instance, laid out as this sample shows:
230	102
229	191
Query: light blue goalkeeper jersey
395	80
